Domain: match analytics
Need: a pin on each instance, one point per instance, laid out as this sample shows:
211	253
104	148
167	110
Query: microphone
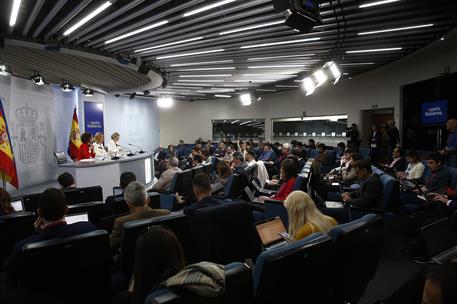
141	149
130	151
115	157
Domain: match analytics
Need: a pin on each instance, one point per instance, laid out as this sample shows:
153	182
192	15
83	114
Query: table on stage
106	172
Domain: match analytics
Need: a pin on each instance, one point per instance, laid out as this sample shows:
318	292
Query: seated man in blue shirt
49	225
201	186
267	155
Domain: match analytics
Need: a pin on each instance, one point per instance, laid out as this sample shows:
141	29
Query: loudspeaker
301	15
143	69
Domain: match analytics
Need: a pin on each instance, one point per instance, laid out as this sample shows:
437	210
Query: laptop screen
74	218
117	190
437	237
17	205
249	193
269	231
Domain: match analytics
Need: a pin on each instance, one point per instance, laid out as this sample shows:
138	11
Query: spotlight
146	93
67	87
165	102
320	77
246	99
88	92
37	79
308	86
5	70
132	95
334	70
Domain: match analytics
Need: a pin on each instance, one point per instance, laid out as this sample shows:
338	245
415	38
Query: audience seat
83	195
365	153
275	208
133	229
181	183
295	273
223	233
79	268
31	201
234	186
14	227
357	246
238	289
95	211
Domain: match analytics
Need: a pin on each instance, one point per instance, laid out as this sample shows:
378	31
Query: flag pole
3	181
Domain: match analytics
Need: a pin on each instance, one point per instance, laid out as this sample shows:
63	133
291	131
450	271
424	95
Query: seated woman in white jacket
99	147
113	146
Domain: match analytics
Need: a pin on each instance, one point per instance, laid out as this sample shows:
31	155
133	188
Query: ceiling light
286	86
376	3
277	66
320	77
245	99
278	57
5	70
222	96
245	122
207	7
235	121
190	54
442	38
81	22
140	30
374	50
165	102
308	86
90	92
396	29
14	12
202	80
211	75
278	74
67	87
279	43
206	69
37	79
168	44
334	70
356	63
241	29
200	63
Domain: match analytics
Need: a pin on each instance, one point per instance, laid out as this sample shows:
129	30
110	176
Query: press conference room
228	151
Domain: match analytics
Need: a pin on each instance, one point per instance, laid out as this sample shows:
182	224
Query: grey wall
380	87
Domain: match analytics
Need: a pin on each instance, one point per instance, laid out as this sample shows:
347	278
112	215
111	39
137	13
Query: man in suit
50	224
166	177
137	201
201	186
369	192
125	179
238	164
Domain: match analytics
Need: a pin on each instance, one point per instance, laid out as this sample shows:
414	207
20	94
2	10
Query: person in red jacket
287	175
86	150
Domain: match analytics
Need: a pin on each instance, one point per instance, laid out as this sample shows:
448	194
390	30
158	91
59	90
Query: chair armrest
274	201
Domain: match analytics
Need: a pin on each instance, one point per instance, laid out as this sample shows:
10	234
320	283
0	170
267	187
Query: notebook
272	233
330	204
17	205
77	217
251	195
439	241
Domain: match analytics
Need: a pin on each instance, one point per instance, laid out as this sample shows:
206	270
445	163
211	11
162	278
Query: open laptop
272	233
439	241
260	189
117	190
17	205
251	195
77	217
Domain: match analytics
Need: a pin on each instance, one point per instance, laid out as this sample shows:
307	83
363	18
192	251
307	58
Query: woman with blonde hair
99	146
304	217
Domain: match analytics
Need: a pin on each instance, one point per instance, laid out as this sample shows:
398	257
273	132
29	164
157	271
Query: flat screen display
434	112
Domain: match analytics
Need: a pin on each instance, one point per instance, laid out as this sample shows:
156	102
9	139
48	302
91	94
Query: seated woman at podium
99	147
113	145
86	150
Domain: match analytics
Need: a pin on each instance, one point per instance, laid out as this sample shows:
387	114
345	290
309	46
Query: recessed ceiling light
241	29
14	12
168	44
207	7
278	74
206	69
212	75
277	66
377	3
190	54
374	50
86	19
442	38
223	96
396	29
280	43
140	30
165	102
278	57
200	63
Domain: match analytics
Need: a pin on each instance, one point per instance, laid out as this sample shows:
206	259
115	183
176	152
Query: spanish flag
75	137
7	164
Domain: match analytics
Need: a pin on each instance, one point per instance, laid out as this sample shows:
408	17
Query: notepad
335	184
330	204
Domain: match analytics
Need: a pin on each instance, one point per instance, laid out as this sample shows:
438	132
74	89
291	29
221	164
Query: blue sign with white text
434	112
93	117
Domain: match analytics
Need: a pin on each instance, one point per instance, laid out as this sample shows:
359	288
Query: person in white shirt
262	173
99	147
113	145
415	167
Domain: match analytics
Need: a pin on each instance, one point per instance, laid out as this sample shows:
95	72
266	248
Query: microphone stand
141	149
130	151
115	157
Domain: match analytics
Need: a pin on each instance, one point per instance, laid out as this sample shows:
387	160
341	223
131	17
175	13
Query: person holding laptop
304	217
50	224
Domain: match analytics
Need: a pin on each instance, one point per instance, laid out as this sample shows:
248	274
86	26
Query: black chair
181	183
208	168
197	170
223	233
357	246
95	210
31	201
250	173
14	227
119	206
295	273
76	268
238	289
83	195
132	230
107	222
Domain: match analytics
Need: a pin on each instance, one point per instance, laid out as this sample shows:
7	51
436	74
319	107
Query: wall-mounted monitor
434	112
